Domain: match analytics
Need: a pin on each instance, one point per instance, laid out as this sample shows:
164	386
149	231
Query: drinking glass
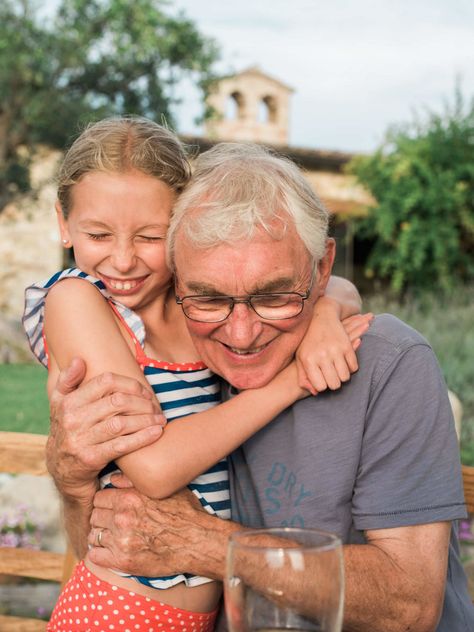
284	579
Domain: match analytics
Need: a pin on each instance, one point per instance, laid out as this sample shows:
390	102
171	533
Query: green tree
422	177
92	58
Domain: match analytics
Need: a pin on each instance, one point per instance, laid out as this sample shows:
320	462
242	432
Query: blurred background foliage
91	59
422	226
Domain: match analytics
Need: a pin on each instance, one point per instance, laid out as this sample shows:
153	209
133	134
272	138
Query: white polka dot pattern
88	604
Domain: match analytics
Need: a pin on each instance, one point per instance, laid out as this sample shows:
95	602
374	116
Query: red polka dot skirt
90	604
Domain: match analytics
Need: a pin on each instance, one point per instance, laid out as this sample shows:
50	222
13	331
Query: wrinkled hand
95	423
326	357
148	537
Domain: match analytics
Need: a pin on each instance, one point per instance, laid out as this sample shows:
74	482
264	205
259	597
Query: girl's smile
122	287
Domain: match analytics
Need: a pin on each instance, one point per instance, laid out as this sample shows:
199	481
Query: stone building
250	106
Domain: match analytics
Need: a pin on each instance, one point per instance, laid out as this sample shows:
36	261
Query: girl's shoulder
42	288
35	299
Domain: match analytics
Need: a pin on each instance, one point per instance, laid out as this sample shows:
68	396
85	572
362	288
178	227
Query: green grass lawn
23	399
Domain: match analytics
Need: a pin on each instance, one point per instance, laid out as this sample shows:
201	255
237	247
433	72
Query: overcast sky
357	66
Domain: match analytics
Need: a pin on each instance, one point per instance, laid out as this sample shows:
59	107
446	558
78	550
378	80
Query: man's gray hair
238	188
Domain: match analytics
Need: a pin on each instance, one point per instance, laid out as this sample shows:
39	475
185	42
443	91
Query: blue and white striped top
181	389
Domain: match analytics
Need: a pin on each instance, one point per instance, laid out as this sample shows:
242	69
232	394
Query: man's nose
243	326
123	257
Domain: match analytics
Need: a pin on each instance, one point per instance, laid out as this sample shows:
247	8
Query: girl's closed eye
98	236
151	238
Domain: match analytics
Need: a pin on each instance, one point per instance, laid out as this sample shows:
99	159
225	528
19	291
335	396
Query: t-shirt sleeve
409	470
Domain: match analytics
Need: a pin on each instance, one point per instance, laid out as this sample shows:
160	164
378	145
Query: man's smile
250	353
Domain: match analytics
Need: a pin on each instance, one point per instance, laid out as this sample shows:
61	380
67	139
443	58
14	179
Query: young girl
117	185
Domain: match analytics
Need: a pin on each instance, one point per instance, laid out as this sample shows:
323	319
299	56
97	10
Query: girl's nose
123	258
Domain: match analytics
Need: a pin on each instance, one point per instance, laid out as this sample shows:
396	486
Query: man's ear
325	265
63	229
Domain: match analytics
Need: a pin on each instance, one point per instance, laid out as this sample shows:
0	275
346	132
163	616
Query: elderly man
376	461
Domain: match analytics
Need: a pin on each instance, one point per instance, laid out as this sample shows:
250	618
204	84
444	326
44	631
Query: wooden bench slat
468	480
15	624
28	563
23	453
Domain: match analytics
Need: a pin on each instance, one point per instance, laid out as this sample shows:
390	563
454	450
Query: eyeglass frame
248	300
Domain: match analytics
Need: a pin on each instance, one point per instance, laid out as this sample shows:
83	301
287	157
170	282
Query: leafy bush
423	180
84	61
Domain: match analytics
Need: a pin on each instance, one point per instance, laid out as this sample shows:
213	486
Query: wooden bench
22	453
468	480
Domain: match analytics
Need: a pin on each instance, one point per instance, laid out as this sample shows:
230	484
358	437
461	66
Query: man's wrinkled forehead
279	231
269	284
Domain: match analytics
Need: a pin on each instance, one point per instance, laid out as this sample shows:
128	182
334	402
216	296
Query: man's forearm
202	544
382	597
77	523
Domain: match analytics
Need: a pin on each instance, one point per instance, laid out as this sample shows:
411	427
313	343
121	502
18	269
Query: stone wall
30	248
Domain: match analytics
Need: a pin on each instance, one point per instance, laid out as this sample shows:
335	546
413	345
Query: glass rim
332	541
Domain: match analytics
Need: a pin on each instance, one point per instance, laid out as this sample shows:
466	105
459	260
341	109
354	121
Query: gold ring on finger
99	537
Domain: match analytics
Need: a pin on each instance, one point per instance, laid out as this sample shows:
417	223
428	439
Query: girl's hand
326	356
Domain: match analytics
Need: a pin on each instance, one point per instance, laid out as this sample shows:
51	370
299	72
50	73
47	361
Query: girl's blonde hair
120	144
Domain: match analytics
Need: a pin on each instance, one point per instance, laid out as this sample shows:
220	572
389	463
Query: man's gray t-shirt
380	452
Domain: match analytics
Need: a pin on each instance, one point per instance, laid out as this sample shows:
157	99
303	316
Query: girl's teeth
118	285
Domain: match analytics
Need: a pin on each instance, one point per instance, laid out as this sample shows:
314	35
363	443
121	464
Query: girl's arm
326	356
79	322
344	296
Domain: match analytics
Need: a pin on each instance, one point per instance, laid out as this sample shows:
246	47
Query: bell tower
250	106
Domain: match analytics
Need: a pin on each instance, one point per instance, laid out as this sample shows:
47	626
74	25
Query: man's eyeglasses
215	309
